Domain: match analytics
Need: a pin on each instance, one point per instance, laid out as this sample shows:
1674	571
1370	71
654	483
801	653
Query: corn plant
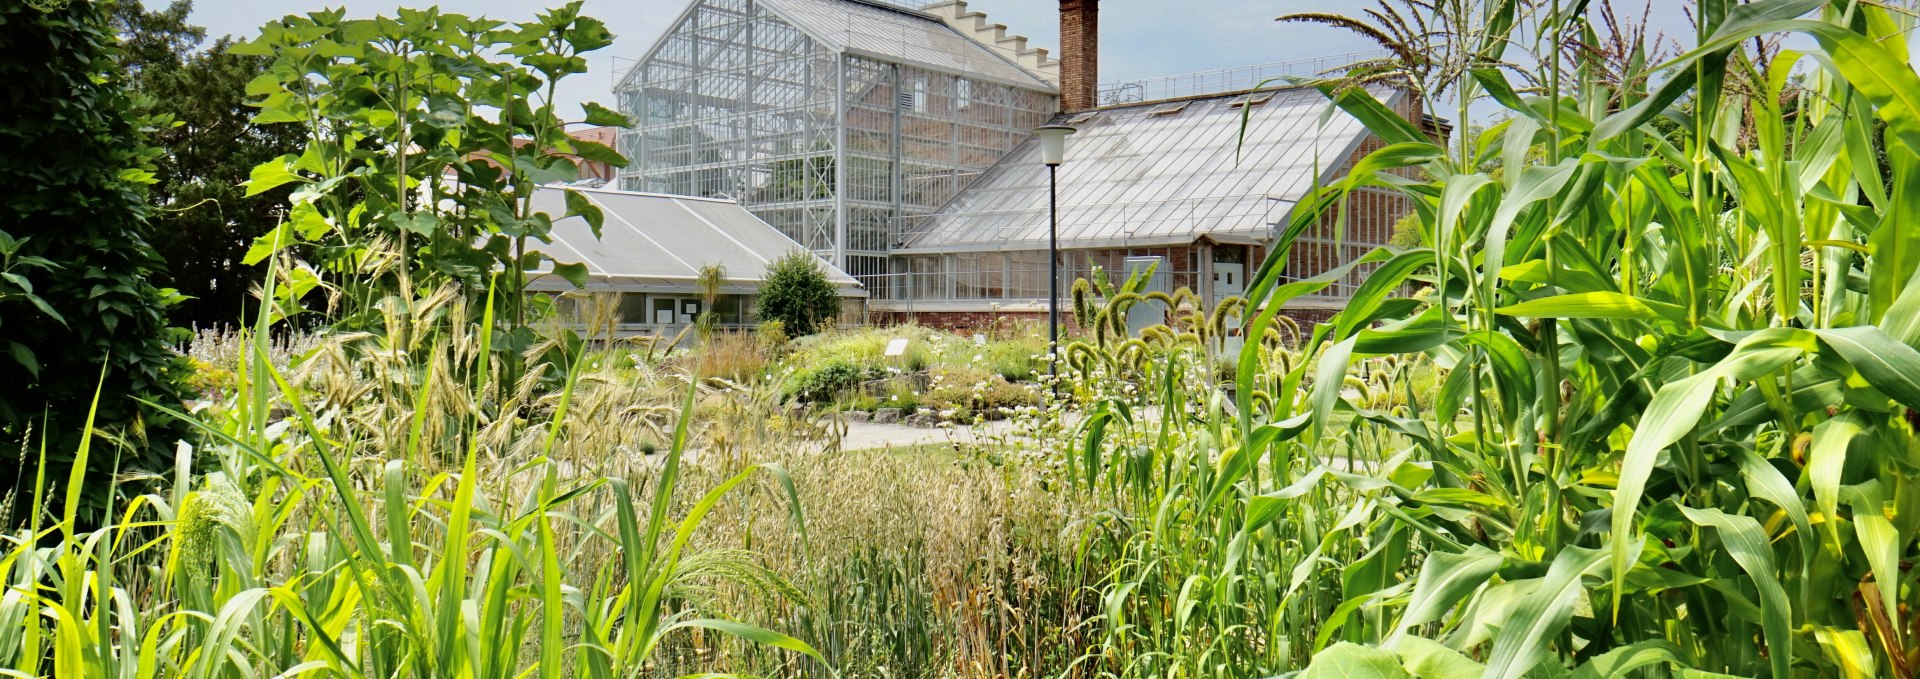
1673	431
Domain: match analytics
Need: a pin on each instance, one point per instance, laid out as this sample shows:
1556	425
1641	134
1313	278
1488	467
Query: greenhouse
648	254
829	119
1192	186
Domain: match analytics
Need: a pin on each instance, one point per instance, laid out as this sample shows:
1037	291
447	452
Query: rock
859	416
923	419
886	415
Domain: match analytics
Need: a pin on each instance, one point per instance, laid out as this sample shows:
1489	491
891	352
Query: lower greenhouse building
644	268
1195	187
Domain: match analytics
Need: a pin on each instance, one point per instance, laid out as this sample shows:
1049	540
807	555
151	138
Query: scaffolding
830	119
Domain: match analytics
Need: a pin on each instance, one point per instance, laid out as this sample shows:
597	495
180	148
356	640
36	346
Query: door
1229	279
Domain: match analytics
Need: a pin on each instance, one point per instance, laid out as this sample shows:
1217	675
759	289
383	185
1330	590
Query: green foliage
822	381
426	134
270	559
798	294
1016	359
709	281
76	270
204	220
1407	232
867	348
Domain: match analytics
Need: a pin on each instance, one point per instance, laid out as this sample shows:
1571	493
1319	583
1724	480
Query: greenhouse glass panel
1154	174
833	120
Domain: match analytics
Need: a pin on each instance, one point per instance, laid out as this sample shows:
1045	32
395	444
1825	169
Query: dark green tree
78	298
203	220
797	293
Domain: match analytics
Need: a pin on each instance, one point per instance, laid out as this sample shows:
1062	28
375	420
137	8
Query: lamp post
1053	151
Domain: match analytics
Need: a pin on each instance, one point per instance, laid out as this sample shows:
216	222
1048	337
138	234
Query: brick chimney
1079	54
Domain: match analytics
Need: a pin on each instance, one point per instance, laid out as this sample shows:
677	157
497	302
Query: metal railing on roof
1121	220
1005	285
1226	79
1021	285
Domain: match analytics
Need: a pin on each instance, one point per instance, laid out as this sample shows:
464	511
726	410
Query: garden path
871	435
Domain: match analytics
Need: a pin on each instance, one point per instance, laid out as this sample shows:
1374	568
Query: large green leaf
1525	636
272	174
1886	363
1378	118
1352	661
1433	660
1445	580
1749	547
1826	459
757	635
603	116
1620	661
1675	410
1603	304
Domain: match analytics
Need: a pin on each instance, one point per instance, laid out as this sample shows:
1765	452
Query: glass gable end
830	119
1155	174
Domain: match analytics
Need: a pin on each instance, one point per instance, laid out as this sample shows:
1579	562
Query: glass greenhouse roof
656	241
1156	173
898	34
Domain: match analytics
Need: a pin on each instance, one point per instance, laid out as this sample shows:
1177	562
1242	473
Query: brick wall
967	322
1079	53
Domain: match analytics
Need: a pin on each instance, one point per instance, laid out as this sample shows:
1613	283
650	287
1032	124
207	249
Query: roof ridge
647	194
1201	97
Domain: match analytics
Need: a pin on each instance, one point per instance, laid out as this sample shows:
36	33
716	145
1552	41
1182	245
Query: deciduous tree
203	220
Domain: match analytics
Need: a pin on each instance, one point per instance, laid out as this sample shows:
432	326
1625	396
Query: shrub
1016	360
865	348
797	293
901	394
977	390
772	335
823	381
77	293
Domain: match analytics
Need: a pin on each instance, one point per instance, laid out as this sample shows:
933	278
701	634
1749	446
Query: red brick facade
964	321
1079	54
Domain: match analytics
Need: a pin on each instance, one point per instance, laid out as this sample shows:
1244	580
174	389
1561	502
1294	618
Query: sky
1139	39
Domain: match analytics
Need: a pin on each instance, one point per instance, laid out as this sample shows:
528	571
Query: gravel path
869	435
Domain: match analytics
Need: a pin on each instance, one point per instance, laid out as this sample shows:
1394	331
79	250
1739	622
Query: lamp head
1053	143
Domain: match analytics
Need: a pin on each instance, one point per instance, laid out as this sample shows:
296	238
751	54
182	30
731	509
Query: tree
80	317
204	221
797	293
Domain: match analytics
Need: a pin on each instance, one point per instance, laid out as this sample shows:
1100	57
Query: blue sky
1138	38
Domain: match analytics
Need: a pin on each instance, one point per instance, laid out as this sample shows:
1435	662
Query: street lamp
1053	151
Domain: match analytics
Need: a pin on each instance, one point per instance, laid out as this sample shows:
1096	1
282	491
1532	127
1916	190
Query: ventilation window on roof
1252	100
1082	119
1168	110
